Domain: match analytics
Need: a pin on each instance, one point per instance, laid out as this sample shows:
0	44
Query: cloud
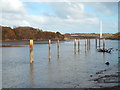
14	6
106	8
67	17
70	0
13	13
67	9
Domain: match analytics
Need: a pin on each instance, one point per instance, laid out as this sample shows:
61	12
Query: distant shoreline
27	33
11	46
60	40
31	39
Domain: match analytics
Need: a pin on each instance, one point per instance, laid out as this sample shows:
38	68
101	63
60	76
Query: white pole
101	29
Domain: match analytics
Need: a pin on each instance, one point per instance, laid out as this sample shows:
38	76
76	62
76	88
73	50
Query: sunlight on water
66	66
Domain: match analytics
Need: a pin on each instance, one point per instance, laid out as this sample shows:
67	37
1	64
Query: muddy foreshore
109	76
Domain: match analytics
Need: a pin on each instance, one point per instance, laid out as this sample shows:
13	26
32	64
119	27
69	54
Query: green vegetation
26	33
115	36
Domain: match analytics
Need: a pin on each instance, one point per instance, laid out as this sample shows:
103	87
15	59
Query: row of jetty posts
76	42
49	45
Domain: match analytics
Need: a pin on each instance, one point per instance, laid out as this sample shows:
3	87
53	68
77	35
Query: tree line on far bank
115	36
26	33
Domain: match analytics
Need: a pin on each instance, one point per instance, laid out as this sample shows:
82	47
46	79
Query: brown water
65	69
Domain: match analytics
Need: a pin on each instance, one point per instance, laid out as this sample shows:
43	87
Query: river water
63	68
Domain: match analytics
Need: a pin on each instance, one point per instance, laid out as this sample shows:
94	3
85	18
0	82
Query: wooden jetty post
75	46
99	42
49	42
58	45
89	43
78	45
49	55
85	42
104	44
75	43
96	42
31	51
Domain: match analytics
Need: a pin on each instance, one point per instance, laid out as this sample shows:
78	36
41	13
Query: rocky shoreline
103	77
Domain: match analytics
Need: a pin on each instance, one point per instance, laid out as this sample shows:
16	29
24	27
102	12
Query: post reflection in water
31	56
85	49
49	53
104	57
74	49
50	74
58	48
85	45
78	45
31	78
96	43
58	52
89	44
78	49
99	43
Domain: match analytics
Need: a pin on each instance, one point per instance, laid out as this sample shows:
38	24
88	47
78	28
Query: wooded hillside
26	33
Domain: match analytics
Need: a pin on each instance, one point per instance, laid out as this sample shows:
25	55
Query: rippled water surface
65	68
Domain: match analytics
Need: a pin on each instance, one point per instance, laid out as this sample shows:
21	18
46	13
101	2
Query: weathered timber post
89	43
78	45
49	42
96	42
75	46
49	55
75	43
58	45
31	51
99	42
103	44
85	42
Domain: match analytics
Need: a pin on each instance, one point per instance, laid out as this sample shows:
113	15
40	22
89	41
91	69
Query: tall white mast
100	28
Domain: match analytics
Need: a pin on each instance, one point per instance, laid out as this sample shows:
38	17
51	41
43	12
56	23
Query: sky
63	17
